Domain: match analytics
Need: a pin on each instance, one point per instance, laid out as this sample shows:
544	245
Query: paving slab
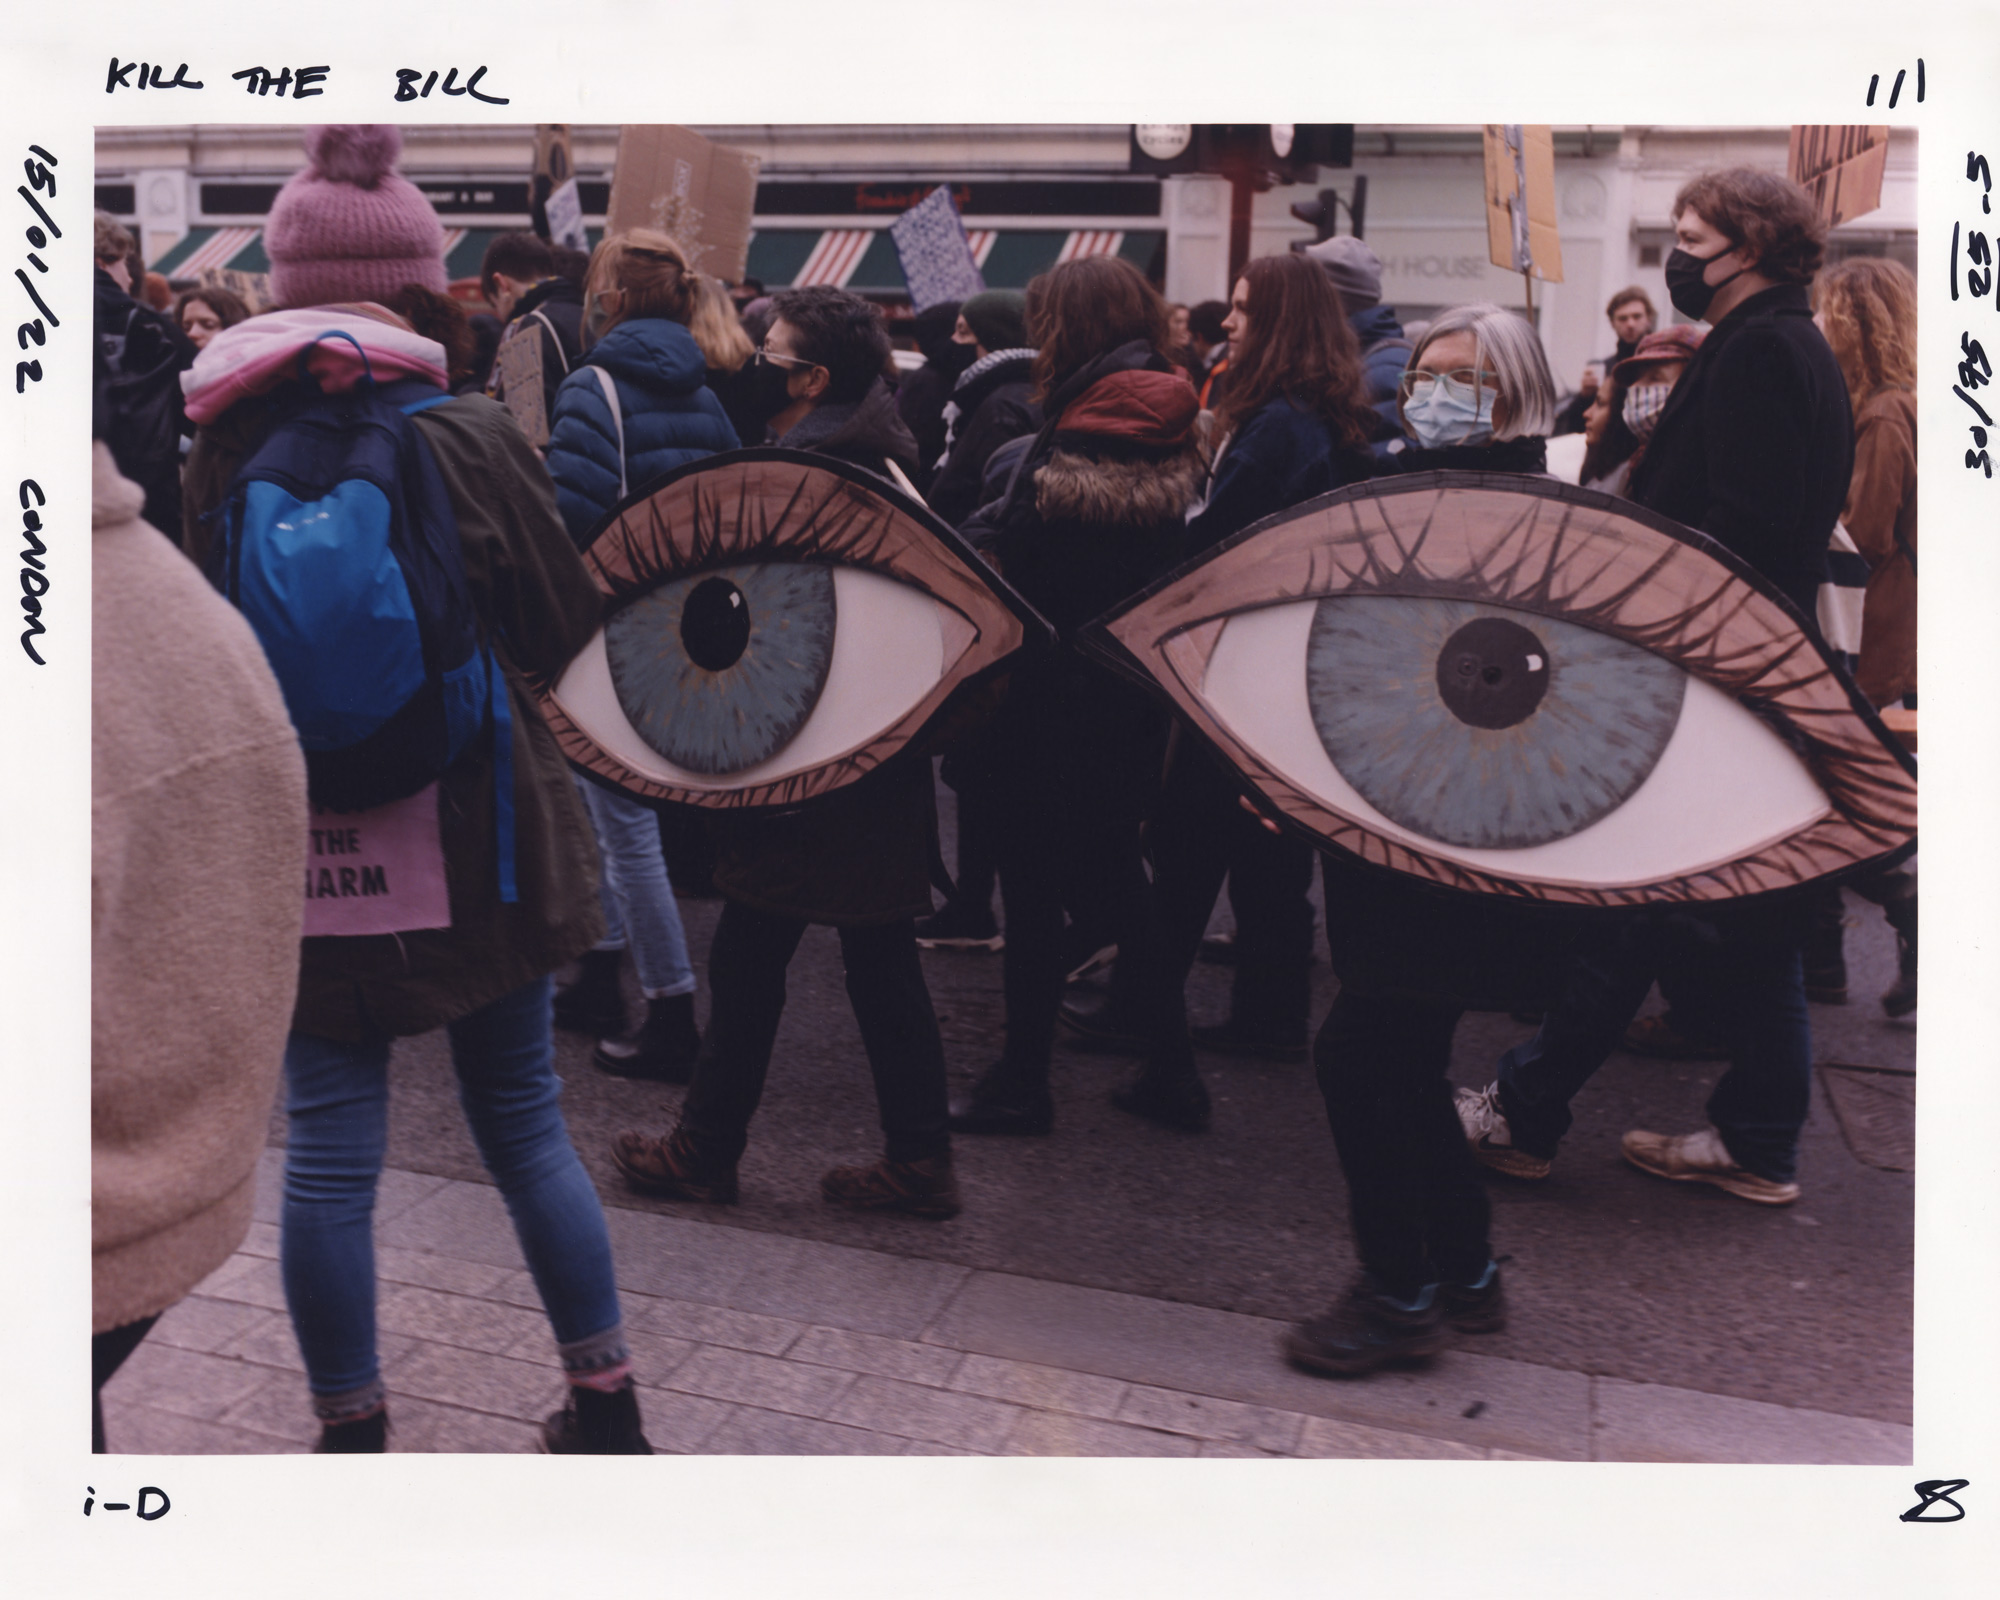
764	1381
916	1412
1231	1356
885	1358
1655	1422
1046	1433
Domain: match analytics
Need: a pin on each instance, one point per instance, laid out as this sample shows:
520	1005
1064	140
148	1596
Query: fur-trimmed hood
1118	490
1126	453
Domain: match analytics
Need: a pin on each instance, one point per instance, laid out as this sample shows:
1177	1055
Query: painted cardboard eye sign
1512	686
780	625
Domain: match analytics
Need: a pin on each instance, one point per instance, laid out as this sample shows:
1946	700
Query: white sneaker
1702	1158
1492	1141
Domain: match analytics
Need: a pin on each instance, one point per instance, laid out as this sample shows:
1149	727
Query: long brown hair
1080	310
1869	308
1299	346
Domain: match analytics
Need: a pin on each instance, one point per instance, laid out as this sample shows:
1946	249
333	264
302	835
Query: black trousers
1199	835
1418	1207
885	985
108	1351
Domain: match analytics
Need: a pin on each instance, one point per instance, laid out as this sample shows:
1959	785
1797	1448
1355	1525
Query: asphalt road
1609	1270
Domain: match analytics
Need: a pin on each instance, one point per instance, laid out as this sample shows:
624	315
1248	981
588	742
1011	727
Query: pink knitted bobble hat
350	227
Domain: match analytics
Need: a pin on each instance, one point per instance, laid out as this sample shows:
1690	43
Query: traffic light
1259	153
1323	214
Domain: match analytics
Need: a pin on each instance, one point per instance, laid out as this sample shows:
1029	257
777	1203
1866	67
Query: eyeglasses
774	358
1418	385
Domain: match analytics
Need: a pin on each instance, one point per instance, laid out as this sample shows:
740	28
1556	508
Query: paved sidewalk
749	1343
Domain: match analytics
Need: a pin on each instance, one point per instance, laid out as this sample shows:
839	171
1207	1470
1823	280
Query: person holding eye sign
859	861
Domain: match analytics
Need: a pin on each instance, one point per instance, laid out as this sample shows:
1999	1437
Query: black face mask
1685	288
767	394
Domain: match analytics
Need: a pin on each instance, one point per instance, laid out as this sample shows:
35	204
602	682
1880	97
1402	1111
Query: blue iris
719	671
1485	727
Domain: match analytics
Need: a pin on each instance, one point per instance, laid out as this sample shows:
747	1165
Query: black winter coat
993	406
146	354
1756	444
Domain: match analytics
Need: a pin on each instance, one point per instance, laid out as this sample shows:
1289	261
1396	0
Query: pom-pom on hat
350	227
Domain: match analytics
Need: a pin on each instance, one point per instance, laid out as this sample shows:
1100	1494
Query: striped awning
204	248
865	259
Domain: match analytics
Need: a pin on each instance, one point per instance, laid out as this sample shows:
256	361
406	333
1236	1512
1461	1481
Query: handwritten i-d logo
1933	1490
1897	88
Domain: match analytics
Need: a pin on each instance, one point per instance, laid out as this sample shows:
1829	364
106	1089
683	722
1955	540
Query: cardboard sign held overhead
1521	200
702	193
1840	167
553	182
937	258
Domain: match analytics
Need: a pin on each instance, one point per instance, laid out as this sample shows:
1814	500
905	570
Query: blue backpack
339	545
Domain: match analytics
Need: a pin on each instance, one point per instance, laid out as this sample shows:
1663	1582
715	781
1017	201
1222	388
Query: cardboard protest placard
703	193
554	186
938	263
379	871
518	366
1521	200
1840	167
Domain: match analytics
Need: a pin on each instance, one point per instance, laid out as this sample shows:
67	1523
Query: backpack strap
554	338
610	387
501	711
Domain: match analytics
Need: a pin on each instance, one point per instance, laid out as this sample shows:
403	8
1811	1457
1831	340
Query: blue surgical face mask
1450	413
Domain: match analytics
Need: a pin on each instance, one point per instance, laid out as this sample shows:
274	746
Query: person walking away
1096	510
1295	424
1755	449
197	840
858	861
992	402
636	407
1356	272
502	832
519	279
922	395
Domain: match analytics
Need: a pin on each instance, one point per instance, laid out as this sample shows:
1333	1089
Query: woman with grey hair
1478	395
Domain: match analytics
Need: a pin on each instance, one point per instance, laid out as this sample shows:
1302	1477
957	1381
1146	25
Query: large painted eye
1522	688
781	625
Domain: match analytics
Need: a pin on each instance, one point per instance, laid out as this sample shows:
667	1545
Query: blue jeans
638	900
337	1094
1741	985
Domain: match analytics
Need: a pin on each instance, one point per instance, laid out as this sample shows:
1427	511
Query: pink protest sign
379	871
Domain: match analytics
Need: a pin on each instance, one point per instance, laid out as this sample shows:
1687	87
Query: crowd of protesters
1084	438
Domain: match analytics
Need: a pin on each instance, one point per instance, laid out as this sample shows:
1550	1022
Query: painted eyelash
853	535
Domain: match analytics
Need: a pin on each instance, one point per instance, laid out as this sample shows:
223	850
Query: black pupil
1492	673
715	624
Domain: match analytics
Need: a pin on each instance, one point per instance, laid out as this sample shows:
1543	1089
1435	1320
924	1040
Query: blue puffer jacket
670	418
1385	352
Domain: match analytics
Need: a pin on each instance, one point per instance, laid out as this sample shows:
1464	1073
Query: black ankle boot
594	1423
1175	1097
594	1003
1006	1099
363	1436
664	1048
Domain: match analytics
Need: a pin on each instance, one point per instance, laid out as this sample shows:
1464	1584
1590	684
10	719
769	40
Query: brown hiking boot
672	1168
915	1188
